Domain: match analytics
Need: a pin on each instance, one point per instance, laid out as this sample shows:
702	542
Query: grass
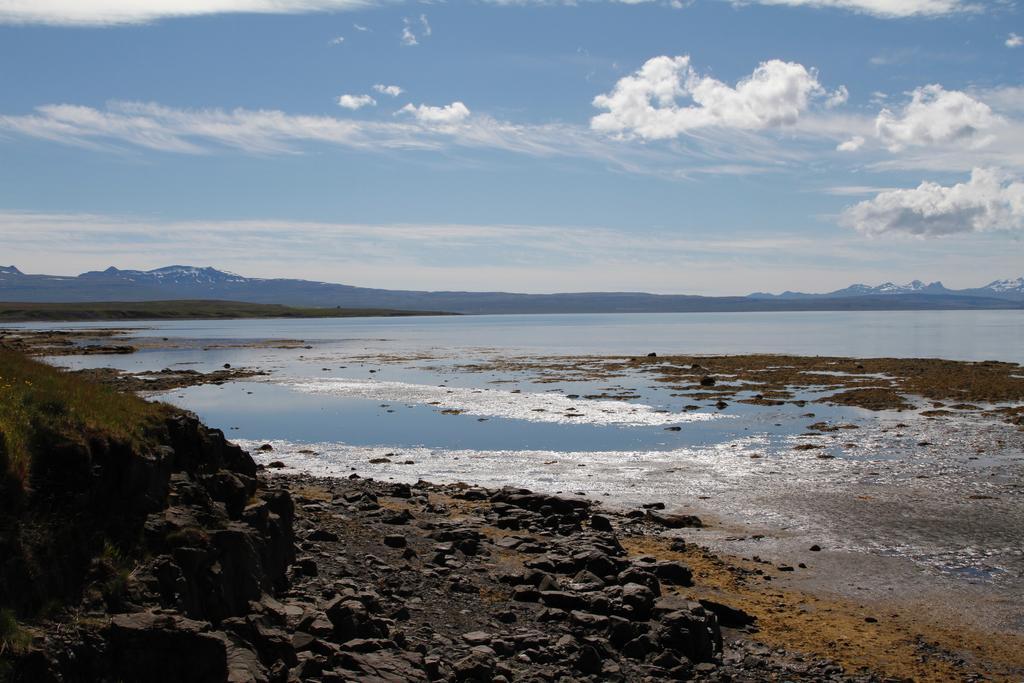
39	404
181	310
12	637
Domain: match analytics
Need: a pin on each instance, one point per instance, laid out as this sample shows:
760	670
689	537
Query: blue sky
702	147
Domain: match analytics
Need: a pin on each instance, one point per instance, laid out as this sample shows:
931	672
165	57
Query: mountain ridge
177	282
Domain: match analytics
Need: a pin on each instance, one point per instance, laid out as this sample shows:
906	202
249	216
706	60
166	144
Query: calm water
960	335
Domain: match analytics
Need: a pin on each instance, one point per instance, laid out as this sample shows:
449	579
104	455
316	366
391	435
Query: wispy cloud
890	9
392	90
415	30
114	12
97	13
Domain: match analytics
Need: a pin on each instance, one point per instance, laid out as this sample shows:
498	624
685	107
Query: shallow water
943	498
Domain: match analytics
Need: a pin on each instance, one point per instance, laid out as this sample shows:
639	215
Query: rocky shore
136	544
243	576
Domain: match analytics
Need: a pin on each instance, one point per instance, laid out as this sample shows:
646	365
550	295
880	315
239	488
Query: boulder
165	648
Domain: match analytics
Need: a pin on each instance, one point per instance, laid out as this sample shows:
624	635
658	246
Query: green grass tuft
39	404
13	638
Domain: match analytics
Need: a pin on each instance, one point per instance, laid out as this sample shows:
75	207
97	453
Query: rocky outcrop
173	537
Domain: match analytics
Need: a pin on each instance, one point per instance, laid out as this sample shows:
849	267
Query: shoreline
810	606
862	638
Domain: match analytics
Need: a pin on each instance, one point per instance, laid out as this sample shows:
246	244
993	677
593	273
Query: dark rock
600	523
589	660
642	577
321	535
672	572
586	581
563	600
675	521
475	667
165	648
730	617
588	620
639	647
396	517
639	597
395	541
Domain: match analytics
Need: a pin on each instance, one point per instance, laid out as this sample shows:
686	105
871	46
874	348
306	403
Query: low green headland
181	310
41	406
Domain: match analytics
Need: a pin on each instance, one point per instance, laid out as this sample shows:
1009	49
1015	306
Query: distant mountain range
999	289
188	282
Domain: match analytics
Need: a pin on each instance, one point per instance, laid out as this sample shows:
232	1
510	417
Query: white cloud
990	200
336	41
645	102
851	145
409	36
854	190
935	115
354	102
892	9
360	28
113	12
452	113
838	97
1014	40
392	90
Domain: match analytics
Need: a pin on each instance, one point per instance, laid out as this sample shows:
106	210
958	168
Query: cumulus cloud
336	41
851	145
452	113
892	9
392	90
935	115
990	200
113	12
645	102
354	102
1014	40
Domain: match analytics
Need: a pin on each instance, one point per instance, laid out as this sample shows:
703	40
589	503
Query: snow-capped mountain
913	287
169	275
1001	289
1006	286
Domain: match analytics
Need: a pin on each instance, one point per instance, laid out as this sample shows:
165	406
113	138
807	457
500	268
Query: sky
675	146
